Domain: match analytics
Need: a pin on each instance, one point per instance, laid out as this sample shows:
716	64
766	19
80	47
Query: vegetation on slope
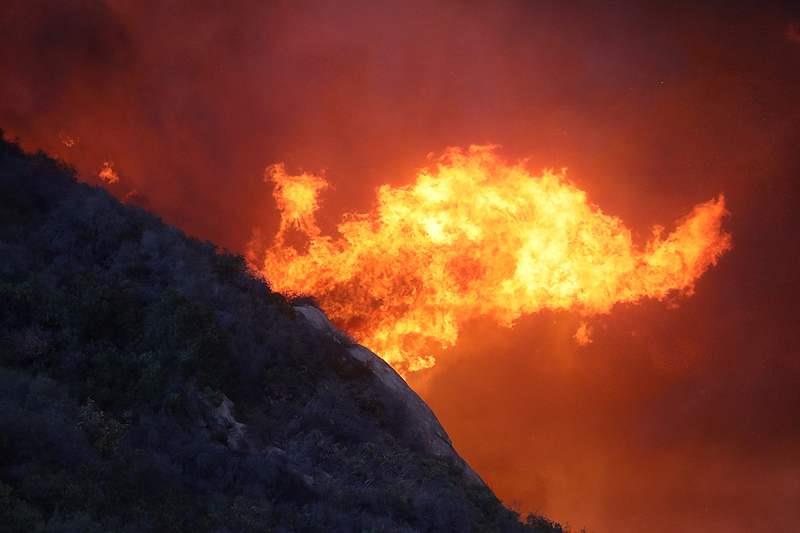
149	383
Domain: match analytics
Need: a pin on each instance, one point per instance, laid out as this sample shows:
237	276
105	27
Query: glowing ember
476	237
108	174
67	140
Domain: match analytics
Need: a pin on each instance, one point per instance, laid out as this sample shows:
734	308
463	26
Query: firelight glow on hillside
475	236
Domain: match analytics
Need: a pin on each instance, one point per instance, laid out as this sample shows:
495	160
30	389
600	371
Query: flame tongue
476	237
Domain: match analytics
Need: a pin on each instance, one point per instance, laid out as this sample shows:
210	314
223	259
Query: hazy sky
673	418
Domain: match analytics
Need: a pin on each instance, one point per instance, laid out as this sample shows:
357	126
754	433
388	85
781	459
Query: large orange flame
476	236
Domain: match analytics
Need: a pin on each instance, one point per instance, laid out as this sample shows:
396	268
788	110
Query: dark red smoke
670	420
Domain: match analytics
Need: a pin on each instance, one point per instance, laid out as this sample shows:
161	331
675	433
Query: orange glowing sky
660	416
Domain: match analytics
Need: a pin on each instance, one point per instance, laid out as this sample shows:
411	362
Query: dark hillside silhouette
149	383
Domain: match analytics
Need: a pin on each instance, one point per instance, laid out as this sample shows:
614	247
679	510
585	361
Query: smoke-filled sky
676	417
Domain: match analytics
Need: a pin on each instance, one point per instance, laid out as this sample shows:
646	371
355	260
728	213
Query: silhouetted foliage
148	382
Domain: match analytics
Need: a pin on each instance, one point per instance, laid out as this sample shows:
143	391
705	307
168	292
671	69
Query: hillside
148	382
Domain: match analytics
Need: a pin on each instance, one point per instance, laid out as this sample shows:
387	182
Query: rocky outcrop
217	417
424	428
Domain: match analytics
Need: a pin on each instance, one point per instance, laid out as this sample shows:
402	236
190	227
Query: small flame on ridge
108	174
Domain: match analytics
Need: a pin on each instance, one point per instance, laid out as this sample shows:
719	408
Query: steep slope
149	383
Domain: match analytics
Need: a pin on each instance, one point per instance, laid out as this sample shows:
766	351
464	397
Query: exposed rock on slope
149	383
423	426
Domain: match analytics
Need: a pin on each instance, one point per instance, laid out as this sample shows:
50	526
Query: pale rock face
427	430
235	429
218	418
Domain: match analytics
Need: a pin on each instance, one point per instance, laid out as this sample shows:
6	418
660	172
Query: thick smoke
669	420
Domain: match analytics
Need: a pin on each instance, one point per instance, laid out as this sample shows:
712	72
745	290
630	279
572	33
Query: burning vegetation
475	236
108	174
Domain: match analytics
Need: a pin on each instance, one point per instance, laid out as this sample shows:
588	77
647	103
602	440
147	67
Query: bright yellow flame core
476	237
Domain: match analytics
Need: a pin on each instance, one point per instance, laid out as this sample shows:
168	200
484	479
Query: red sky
672	419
